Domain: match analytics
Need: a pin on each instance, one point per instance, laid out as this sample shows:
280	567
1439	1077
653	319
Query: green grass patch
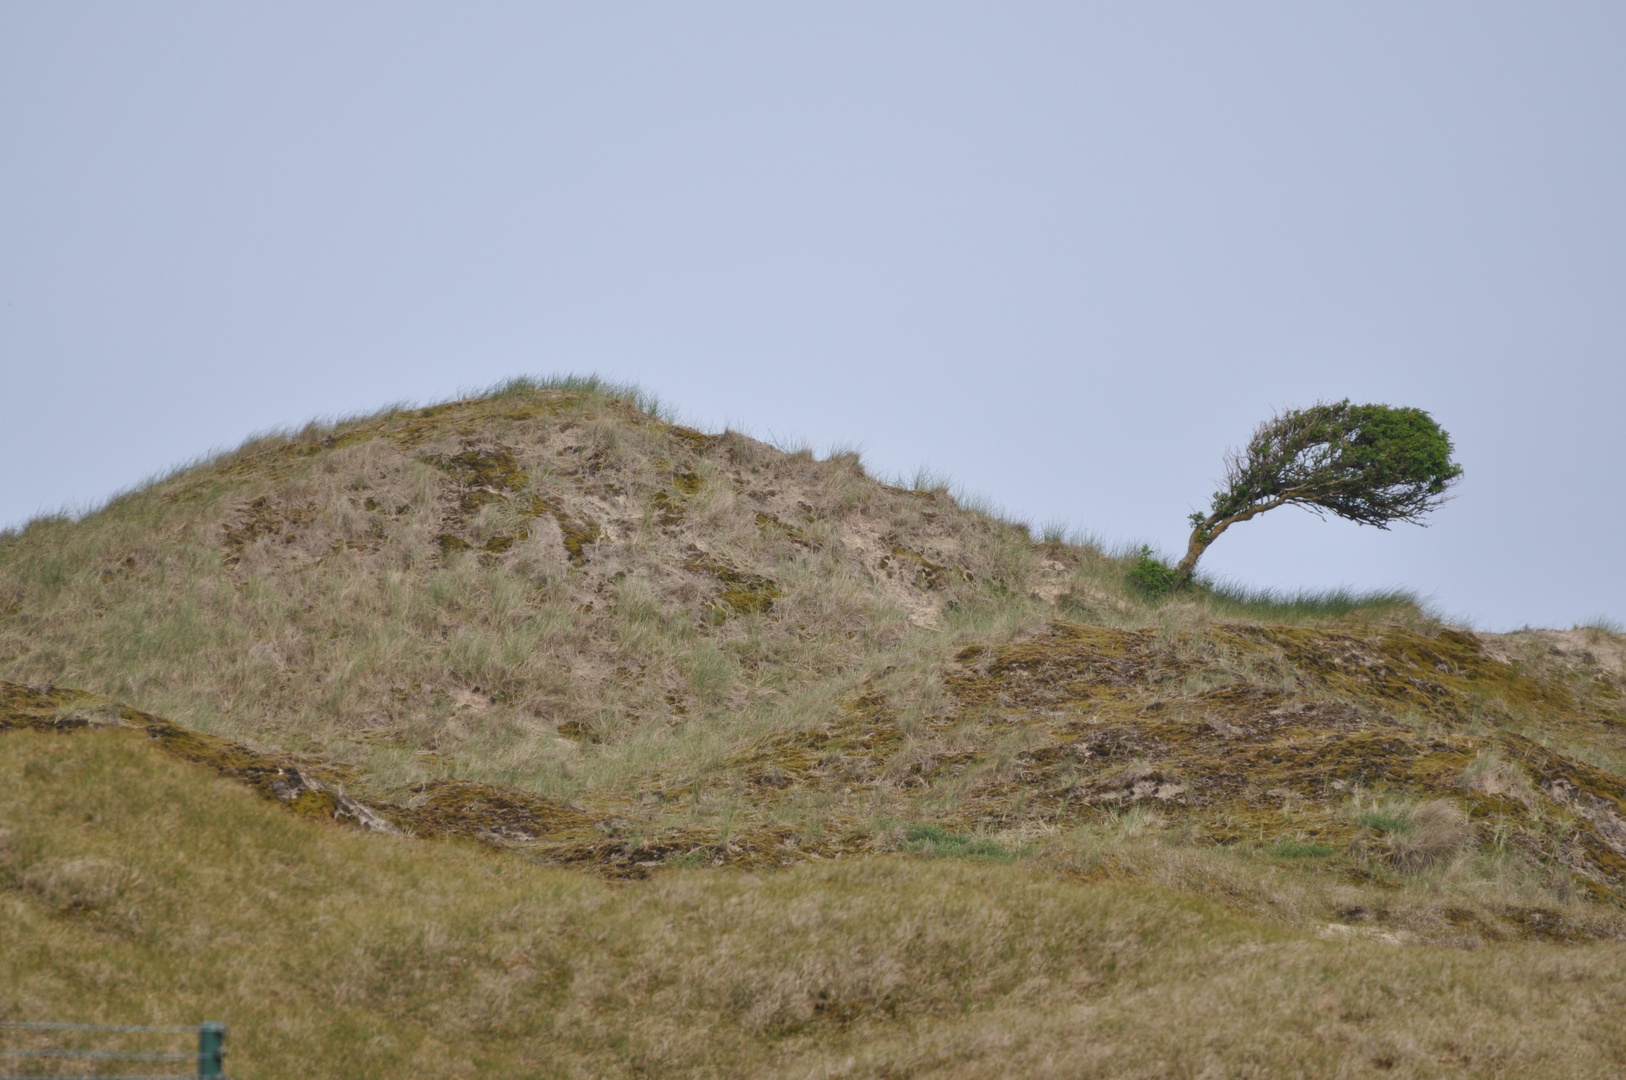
1226	598
1299	849
1385	820
936	842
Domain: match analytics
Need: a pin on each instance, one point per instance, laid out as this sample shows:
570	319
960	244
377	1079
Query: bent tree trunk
1201	537
1208	530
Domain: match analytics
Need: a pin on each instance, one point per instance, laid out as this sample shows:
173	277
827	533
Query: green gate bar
212	1049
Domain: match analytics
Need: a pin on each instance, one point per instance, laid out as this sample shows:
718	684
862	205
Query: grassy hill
680	754
136	888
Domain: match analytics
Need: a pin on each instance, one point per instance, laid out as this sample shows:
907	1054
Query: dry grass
1427	835
463	584
134	888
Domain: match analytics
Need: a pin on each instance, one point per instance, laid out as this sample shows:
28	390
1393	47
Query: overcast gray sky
1065	254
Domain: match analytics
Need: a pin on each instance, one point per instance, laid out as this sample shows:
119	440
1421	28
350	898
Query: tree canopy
1371	464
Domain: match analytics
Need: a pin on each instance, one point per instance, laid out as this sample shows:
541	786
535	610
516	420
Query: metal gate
45	1058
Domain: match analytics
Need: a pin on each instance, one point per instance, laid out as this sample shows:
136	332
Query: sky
1064	255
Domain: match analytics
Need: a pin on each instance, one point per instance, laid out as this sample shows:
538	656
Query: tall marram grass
1230	599
586	384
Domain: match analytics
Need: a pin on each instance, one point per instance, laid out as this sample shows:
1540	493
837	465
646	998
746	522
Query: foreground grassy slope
136	887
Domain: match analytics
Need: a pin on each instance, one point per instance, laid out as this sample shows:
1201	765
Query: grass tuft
934	841
1232	600
1300	849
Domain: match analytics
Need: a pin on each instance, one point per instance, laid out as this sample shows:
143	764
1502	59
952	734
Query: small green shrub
1150	574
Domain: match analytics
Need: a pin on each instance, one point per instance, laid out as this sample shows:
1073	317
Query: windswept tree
1371	464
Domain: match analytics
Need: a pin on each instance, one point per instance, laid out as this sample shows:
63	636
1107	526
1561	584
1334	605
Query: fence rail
210	1056
41	1025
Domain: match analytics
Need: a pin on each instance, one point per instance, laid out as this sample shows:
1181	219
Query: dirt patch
1104	726
488	475
911	564
485	473
487	812
306	787
760	847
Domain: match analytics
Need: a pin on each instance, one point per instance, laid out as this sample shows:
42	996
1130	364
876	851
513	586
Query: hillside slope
134	888
885	785
551	618
472	579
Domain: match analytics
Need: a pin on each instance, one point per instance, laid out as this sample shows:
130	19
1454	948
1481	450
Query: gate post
211	1049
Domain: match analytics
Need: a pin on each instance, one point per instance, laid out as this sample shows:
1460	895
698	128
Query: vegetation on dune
549	587
334	952
475	614
550	621
1370	464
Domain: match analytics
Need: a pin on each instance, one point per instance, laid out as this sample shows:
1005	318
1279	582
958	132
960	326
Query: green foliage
1371	464
1151	575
